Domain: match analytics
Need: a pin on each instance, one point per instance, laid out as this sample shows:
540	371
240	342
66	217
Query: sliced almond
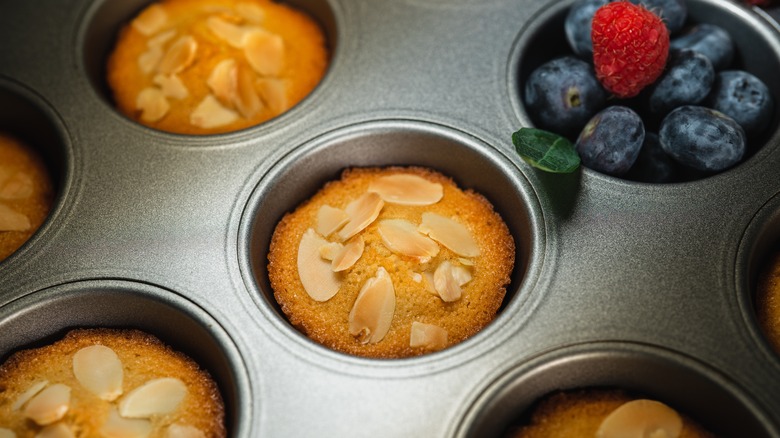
155	397
99	370
183	431
641	418
49	405
11	220
211	114
274	93
152	103
117	427
329	219
179	56
362	212
160	39
372	313
17	186
150	59
416	277
7	433
231	33
57	430
246	99
150	20
402	237
251	12
330	250
349	254
445	283
449	233
428	336
466	262
172	86
223	80
265	52
461	275
317	277
407	189
27	395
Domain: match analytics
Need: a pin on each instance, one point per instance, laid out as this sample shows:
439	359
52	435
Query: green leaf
545	150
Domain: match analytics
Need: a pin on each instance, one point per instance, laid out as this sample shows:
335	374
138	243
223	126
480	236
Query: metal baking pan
617	283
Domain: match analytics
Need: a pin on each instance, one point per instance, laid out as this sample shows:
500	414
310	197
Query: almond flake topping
172	86
211	114
179	56
11	220
407	189
99	369
274	93
429	336
349	254
246	100
231	33
362	212
57	430
223	80
155	397
152	103
641	418
27	395
19	185
118	427
251	12
150	59
317	277
445	283
49	405
330	219
160	39
150	20
7	433
183	431
402	237
449	233
372	313
265	52
330	249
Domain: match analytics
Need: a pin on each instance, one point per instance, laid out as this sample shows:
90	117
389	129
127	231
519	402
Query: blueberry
562	94
687	80
710	40
744	98
578	23
702	138
672	12
611	140
653	165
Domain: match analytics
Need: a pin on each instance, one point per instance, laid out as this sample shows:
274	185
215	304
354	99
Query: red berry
630	47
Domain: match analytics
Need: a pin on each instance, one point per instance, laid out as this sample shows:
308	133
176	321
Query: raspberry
630	47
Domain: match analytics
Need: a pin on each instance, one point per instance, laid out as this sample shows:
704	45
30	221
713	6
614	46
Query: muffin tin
642	286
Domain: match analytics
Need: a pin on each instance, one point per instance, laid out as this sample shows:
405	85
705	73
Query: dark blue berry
578	24
653	165
702	138
687	80
672	12
611	140
710	40
563	94
744	98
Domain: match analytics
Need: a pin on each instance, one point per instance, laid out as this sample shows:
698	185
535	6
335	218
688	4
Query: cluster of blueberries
694	120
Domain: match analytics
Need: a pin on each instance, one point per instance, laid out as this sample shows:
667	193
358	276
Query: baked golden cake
391	262
768	301
215	66
108	383
605	413
26	194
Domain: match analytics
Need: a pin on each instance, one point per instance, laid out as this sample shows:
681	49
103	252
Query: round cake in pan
26	194
215	66
391	262
605	413
110	383
768	300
